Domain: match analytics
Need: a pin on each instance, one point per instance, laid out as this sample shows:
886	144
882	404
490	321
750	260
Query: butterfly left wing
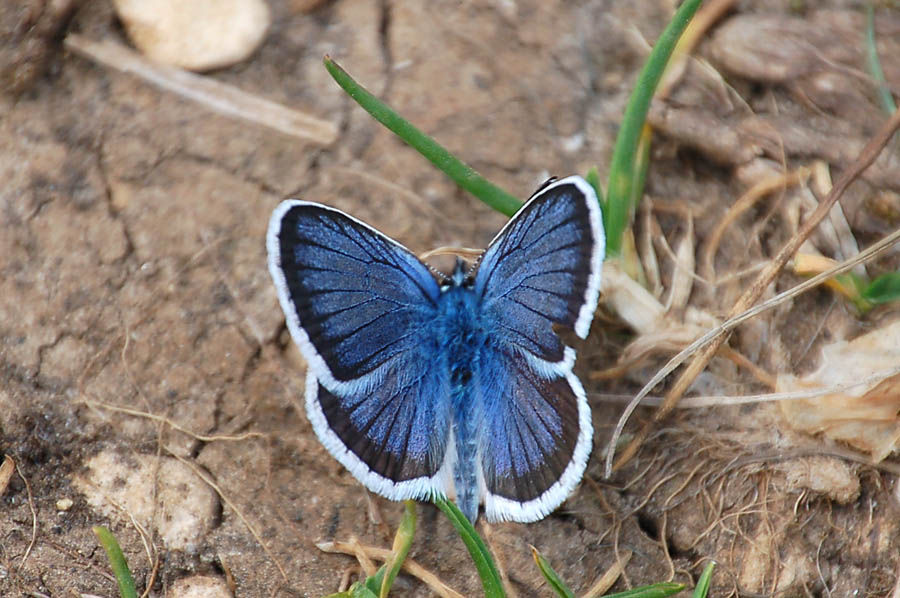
358	304
543	269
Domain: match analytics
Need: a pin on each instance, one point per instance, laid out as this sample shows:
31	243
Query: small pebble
199	35
120	484
64	504
199	586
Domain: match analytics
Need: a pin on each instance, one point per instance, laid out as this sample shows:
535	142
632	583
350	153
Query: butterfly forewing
544	269
356	296
358	305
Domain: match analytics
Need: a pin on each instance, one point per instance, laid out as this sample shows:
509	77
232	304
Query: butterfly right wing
358	306
541	271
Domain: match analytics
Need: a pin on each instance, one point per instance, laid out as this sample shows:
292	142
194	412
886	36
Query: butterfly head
463	275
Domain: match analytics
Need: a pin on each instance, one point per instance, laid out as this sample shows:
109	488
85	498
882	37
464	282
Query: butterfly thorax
459	332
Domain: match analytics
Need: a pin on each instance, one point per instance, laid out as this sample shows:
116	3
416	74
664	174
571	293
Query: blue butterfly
449	386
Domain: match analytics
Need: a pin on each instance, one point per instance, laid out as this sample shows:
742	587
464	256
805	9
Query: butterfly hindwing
357	304
536	435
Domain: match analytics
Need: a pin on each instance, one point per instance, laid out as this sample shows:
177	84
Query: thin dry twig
212	94
468	253
499	561
383	554
709	344
168	422
33	515
707	401
744	203
606	581
703	20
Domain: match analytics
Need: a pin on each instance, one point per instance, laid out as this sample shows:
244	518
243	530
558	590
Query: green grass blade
484	562
884	92
367	588
464	176
621	170
553	579
702	588
593	178
640	166
884	289
370	586
116	561
656	590
402	542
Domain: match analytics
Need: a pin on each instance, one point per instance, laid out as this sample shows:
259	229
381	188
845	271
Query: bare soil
132	275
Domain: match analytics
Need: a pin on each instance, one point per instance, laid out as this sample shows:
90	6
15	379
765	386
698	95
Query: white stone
199	586
118	485
198	35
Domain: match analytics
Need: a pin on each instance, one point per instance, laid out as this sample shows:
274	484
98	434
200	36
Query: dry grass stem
213	95
502	569
742	311
33	515
366	564
167	422
606	581
383	554
744	203
467	253
683	270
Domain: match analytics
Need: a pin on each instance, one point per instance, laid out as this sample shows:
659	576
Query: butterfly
424	384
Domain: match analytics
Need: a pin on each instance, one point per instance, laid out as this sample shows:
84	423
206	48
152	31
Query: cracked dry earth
132	277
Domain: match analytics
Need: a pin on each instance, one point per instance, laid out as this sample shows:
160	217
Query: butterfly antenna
544	185
442	278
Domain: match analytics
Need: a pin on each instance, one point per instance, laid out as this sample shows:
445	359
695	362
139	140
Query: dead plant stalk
865	159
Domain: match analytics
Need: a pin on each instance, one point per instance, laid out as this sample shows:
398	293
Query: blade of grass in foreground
621	169
116	561
553	579
462	174
705	580
484	563
402	542
657	590
884	91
